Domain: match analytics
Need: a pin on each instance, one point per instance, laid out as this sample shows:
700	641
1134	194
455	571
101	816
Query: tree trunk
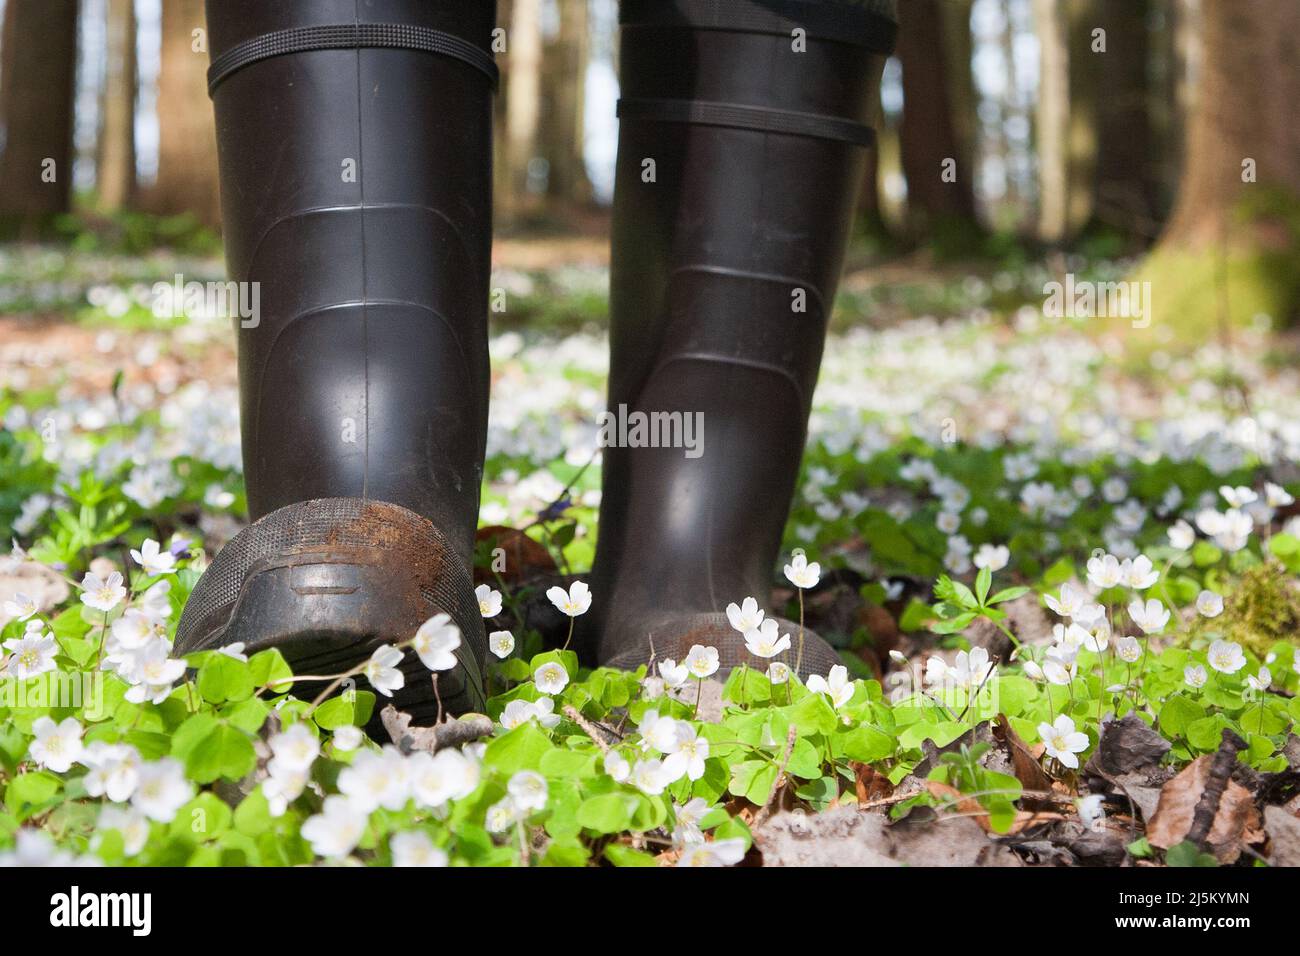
523	105
1229	254
937	161
566	75
187	143
116	168
1125	161
37	87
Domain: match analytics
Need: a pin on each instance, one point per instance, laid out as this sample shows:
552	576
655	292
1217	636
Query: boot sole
329	580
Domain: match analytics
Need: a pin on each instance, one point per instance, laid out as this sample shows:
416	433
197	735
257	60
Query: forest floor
1053	718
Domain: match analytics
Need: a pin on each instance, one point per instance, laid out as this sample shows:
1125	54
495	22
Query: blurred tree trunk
936	138
1232	247
187	143
501	182
523	105
1125	160
37	88
565	78
116	167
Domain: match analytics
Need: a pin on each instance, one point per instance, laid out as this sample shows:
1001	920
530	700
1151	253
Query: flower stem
570	637
798	660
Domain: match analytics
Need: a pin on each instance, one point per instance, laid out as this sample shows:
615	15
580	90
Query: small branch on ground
453	733
1207	807
766	810
592	731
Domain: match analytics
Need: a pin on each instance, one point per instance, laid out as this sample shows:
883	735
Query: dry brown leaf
524	558
871	783
971	807
1172	820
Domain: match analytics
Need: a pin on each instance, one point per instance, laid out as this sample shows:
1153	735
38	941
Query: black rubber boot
742	144
355	154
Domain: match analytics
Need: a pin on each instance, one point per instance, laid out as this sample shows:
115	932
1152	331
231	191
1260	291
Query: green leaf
865	744
225	751
753	779
622	855
520	749
270	665
1008	594
204	818
31	790
1177	714
983	581
1188	854
608	812
223	678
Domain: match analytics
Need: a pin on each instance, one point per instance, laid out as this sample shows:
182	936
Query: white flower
282	786
1276	496
802	574
501	643
995	557
1091	814
687	755
528	790
153	560
1230	530
521	711
648	776
489	600
1195	675
161	789
1060	663
31	655
764	642
717	853
376	780
436	642
134	630
701	661
447	775
574	602
1139	573
152	674
131	824
1259	682
1151	616
1128	649
1226	657
616	766
1098	638
1181	535
1238	497
673	674
948	522
777	672
414	848
296	748
102	594
20	607
686	826
1104	572
1114	490
1090	616
551	677
502	815
745	616
1062	741
1209	604
1070	603
836	685
658	733
1070	636
381	670
114	770
337	829
347	738
57	746
234	651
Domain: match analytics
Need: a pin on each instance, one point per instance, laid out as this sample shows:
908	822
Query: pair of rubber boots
355	144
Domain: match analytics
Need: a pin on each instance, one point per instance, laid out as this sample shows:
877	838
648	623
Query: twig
572	713
453	733
1216	782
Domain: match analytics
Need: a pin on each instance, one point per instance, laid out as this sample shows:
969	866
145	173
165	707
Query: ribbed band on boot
871	24
349	36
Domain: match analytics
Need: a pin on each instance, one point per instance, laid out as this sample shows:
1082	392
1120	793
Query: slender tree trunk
1124	157
37	87
1052	121
937	161
1231	250
187	143
523	104
566	74
116	167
